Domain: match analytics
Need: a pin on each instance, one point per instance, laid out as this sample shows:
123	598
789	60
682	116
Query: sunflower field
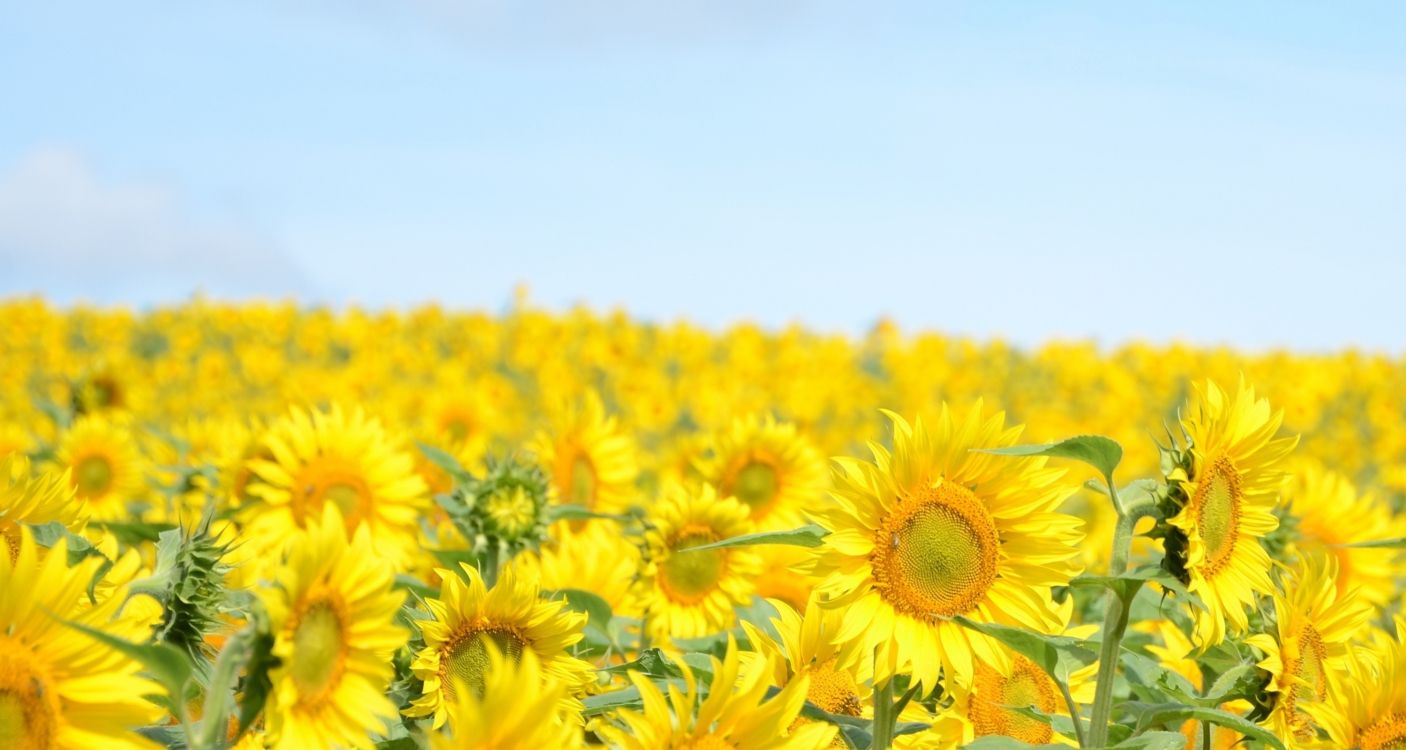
266	526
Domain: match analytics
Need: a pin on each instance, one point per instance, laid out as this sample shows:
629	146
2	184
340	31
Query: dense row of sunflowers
255	526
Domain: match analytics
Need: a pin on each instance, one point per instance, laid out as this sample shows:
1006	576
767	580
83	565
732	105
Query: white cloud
69	234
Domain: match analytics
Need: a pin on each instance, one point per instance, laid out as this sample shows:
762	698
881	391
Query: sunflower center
466	660
93	475
1310	672
689	577
328	482
833	690
1217	500
756	484
1387	734
29	709
996	695
582	481
935	554
318	648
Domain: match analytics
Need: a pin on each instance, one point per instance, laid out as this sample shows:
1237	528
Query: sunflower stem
1115	624
1206	735
884	718
491	558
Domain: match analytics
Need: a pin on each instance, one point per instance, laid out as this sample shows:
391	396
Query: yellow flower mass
259	526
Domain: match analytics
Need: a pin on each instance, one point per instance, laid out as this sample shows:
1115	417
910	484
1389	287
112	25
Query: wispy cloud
66	232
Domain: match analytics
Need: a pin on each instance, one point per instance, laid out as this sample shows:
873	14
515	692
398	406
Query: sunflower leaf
1168	715
1153	741
809	535
1059	655
444	460
168	665
1097	451
1377	544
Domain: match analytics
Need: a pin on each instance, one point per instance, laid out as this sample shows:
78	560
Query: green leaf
1097	451
1005	743
134	534
1153	741
1124	586
596	608
1377	544
168	665
1174	714
445	461
651	663
806	536
567	512
595	705
1058	655
1240	681
1157	682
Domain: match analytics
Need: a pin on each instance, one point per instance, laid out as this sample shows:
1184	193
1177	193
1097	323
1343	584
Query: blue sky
1030	170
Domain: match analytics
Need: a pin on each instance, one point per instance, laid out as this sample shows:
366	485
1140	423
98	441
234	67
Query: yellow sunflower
469	617
323	458
986	707
29	499
333	612
687	594
1372	709
935	529
597	558
768	466
519	706
1308	653
590	460
1331	515
837	671
1231	490
104	466
734	715
58	687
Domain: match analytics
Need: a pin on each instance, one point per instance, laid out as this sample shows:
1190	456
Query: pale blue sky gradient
1205	171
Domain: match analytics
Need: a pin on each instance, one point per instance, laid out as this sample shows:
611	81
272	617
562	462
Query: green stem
1115	620
884	718
1073	713
491	557
1206	735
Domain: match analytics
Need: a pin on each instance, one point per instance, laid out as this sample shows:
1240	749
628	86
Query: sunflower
103	464
29	499
597	559
520	705
1372	708
836	673
1308	654
336	458
1331	516
332	611
935	529
469	617
1231	487
687	594
987	707
590	460
734	715
765	464
58	687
